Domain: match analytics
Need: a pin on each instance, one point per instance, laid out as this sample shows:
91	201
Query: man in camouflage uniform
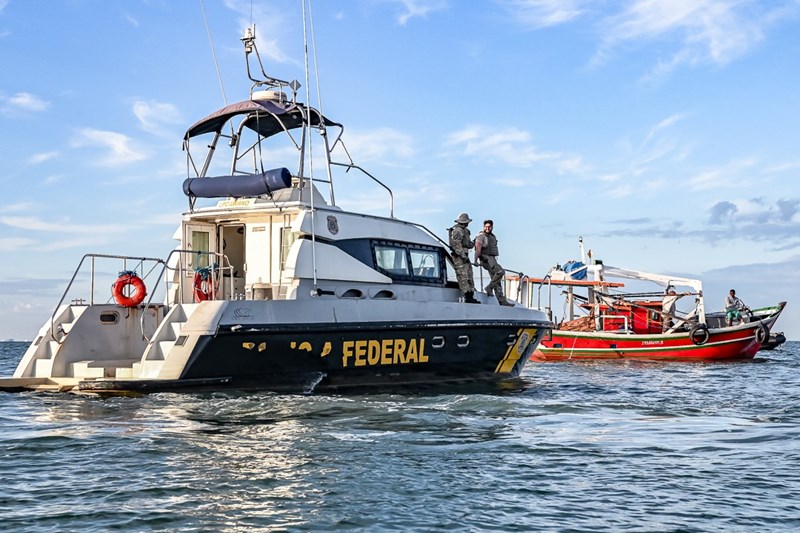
486	252
460	244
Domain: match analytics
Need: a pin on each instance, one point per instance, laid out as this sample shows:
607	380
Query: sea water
570	447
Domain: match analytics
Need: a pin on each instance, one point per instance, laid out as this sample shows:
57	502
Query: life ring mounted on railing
699	334
203	285
761	333
125	279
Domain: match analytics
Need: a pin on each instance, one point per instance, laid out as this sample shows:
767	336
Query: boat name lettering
383	352
652	343
237	202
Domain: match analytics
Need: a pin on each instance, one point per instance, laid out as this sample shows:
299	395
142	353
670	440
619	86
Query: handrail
124	258
139	264
376	180
623	317
223	259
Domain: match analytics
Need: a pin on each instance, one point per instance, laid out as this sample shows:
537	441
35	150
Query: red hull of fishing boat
724	344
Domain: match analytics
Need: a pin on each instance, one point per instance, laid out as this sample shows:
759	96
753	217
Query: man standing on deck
486	252
460	244
668	305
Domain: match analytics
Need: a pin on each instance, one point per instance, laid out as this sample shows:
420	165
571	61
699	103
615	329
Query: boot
470	298
504	301
488	290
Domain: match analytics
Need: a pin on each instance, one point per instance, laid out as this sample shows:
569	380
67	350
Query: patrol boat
273	286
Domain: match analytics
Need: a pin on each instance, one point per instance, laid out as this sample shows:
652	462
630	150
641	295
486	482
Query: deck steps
102	369
38	384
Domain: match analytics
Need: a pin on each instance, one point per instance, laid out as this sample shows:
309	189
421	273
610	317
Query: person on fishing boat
461	243
668	305
486	252
733	308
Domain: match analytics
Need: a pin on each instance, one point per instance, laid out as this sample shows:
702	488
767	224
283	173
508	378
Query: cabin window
287	239
392	259
410	263
200	243
425	263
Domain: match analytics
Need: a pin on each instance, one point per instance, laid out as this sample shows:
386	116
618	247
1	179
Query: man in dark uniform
460	244
486	251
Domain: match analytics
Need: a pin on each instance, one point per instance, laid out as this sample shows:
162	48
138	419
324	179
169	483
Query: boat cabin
638	316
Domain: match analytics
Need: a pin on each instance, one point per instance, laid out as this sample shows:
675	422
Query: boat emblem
333	225
242	312
523	343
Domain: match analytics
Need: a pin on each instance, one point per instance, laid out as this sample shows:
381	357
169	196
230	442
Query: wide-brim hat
463	218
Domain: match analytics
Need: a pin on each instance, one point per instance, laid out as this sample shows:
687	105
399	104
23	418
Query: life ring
203	285
118	289
761	333
699	334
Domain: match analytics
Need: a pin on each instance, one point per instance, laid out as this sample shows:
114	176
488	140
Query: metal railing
137	262
178	264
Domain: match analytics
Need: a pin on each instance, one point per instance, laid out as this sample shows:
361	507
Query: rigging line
213	53
307	128
319	101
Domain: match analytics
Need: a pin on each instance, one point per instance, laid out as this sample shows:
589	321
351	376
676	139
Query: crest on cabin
333	225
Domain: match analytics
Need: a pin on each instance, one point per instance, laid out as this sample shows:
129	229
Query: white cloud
730	175
24	102
663	125
269	21
690	31
11	244
699	31
384	144
14	208
623	191
120	148
35	159
36	224
513	182
544	13
418	8
153	116
511	147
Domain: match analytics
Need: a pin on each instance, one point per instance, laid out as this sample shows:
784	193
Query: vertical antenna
307	128
319	102
213	54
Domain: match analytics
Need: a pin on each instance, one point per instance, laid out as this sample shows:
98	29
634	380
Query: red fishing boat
605	319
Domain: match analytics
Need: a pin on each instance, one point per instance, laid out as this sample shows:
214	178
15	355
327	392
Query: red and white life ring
203	289
139	290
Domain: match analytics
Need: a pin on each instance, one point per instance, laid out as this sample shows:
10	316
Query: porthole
109	317
383	295
463	341
352	293
437	342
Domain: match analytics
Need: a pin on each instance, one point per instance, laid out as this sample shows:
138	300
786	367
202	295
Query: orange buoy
203	286
118	289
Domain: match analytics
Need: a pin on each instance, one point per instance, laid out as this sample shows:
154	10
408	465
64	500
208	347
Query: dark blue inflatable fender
240	186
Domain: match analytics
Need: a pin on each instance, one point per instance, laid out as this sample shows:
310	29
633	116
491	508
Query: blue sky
665	132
